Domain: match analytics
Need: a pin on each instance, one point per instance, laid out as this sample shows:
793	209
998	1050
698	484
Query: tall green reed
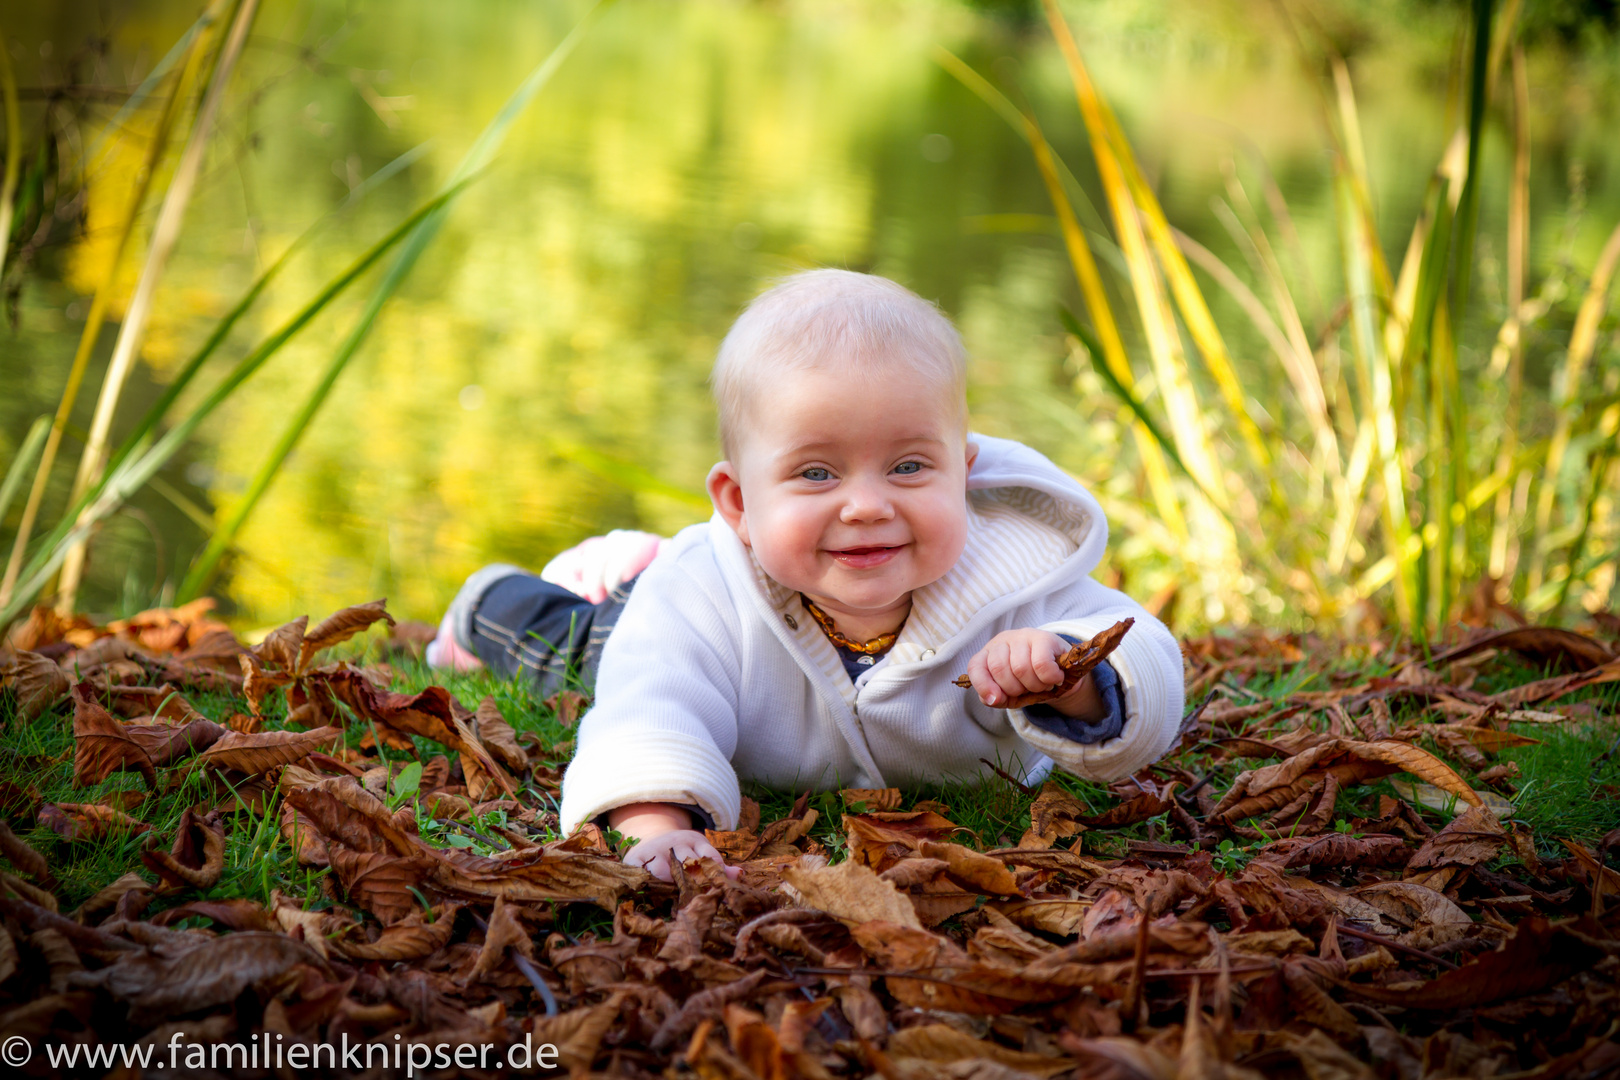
101	492
1422	506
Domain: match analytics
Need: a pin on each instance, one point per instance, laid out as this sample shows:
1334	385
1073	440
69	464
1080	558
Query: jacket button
791	621
927	654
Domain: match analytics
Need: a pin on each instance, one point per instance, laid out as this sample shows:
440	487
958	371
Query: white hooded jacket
715	673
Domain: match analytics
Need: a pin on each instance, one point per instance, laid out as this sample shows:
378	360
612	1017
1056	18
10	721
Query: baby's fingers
984	682
658	867
1044	666
701	850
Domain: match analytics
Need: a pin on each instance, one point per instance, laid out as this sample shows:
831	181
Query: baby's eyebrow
798	449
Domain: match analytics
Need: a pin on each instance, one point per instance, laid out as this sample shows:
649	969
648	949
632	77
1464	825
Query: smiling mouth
860	558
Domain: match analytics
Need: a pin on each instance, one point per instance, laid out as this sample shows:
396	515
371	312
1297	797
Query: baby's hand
656	853
1017	662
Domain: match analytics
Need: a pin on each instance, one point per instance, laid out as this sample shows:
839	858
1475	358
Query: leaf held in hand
1077	663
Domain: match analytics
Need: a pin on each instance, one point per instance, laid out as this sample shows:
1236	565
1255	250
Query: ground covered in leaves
1372	862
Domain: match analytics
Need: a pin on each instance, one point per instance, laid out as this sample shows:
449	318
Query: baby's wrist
1082	702
644	821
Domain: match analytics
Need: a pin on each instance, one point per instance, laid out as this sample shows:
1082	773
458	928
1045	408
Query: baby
865	550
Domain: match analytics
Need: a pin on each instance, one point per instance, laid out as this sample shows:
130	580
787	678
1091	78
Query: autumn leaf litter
1281	917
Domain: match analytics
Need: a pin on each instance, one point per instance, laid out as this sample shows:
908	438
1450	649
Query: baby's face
850	487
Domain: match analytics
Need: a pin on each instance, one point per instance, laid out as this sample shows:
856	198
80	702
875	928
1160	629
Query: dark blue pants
522	625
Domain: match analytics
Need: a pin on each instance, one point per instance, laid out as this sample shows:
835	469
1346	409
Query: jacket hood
1012	473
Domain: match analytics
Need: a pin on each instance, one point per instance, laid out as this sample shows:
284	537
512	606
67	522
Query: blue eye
908	468
816	474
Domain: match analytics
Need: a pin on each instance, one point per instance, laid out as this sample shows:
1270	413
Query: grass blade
25	457
1112	347
105	496
95	317
1158	323
1125	394
216	337
482	151
1567	389
1518	272
8	186
165	235
1299	365
1358	240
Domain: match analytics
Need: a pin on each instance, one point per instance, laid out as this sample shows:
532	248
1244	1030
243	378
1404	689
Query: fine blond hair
836	318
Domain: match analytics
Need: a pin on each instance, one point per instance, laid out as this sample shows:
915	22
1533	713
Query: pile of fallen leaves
1259	933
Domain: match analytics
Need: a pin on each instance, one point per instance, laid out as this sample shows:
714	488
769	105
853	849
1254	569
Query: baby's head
843	416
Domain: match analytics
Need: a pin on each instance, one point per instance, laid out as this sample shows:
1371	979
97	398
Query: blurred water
684	156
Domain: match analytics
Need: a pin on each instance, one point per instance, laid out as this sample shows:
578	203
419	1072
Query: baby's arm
664	835
1143	685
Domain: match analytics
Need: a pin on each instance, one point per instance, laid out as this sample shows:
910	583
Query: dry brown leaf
578	1033
538	874
379	881
1426	918
87	821
568	705
211	973
1257	791
128	894
412	938
945	1044
504	931
1140	807
853	893
167	743
238	913
903	948
258	681
280	648
683	944
872	798
1547	644
23	857
38	683
338	628
265	750
1054	915
197	858
878	839
1538	955
101	746
1492	741
1470	838
1420	763
971	869
1054	815
497	736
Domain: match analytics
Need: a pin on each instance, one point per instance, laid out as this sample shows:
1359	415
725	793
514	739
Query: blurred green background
541	377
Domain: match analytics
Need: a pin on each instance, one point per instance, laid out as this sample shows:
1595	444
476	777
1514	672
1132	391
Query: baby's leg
547	624
524	624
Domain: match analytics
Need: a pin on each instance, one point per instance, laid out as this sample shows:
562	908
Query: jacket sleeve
1148	663
664	726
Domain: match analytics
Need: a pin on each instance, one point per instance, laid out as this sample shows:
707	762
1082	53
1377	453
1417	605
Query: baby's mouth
861	558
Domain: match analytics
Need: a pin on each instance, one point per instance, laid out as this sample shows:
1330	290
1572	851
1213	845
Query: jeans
515	623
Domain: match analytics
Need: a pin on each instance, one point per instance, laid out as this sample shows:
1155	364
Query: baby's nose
866	501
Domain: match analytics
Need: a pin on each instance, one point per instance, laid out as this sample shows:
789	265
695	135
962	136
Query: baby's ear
725	491
972	454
